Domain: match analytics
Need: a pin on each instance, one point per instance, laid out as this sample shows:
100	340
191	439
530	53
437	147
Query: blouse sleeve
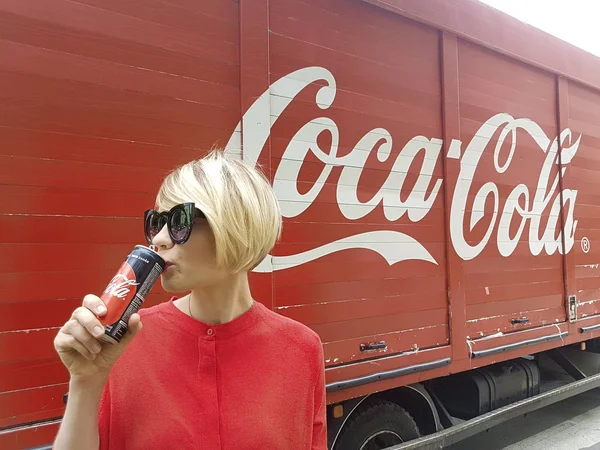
104	417
319	437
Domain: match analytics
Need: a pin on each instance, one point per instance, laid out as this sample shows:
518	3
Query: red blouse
256	382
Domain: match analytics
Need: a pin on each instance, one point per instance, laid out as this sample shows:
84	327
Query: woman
210	370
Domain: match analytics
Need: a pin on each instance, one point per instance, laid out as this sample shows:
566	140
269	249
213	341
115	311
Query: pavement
573	424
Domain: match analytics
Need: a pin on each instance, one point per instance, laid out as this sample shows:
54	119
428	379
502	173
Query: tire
376	425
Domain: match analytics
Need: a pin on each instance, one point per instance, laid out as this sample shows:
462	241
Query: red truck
437	164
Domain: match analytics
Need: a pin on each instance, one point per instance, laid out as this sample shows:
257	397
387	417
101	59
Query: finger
94	304
66	343
89	321
134	327
82	335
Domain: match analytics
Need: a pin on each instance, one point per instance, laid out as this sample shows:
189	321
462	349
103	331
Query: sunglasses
179	221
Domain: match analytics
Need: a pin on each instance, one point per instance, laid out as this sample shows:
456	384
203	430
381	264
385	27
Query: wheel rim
380	440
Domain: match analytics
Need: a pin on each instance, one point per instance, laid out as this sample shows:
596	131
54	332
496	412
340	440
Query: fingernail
101	309
98	330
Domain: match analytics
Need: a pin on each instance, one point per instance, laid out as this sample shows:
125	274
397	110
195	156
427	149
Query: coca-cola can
127	291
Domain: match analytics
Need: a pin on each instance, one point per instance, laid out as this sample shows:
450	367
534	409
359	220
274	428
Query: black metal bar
347	384
484	422
516	345
566	364
379	346
590	328
520	320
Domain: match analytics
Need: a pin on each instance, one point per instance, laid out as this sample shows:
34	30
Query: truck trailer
437	164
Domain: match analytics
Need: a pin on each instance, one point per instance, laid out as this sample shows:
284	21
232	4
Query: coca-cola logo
118	294
394	246
120	286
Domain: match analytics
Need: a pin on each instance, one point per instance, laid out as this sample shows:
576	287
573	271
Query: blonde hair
238	202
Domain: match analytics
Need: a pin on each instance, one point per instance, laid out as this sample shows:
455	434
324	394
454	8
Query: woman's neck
222	302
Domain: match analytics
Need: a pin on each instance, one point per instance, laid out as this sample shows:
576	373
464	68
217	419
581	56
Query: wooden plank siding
99	99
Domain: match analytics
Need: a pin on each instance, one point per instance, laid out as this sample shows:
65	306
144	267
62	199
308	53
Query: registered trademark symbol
585	245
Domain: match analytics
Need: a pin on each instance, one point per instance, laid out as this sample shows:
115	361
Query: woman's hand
87	359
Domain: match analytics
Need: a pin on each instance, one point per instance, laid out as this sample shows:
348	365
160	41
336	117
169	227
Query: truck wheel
377	425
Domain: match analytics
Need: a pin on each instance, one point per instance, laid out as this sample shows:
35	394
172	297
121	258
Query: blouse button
210	331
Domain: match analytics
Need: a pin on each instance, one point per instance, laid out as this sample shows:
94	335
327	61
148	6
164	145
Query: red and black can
128	289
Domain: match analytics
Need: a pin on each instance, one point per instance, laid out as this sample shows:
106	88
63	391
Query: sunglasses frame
191	213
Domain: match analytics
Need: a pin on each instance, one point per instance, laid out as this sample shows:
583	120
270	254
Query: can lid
148	249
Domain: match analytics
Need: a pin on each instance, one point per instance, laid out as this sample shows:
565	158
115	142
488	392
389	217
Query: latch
572	308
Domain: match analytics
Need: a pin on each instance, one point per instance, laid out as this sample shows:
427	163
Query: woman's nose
162	239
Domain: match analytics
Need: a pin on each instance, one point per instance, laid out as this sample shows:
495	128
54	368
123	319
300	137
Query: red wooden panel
410	288
80	202
30	436
497	91
511	338
47	285
354	125
349	371
482	63
101	124
516	306
491	325
336	271
364	86
68	147
502	33
186	77
51	313
41	257
581	110
320	212
20	375
27	345
321	233
62	229
492	85
82	53
361	368
36	344
372	179
379	84
63	94
371	86
319	313
118	28
344	33
329	193
483	280
38	172
216	17
513	291
367	327
346	351
588	308
36	315
32	404
517	262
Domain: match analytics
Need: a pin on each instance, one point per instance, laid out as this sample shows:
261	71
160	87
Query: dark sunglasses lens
179	225
154	223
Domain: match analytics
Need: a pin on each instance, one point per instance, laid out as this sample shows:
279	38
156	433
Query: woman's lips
168	265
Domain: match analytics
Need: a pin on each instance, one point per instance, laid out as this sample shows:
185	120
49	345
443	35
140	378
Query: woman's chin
171	286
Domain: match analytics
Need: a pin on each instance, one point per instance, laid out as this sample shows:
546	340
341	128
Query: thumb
135	326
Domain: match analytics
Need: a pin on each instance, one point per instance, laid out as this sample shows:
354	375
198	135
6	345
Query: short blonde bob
239	204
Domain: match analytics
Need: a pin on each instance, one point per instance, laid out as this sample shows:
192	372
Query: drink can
127	291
